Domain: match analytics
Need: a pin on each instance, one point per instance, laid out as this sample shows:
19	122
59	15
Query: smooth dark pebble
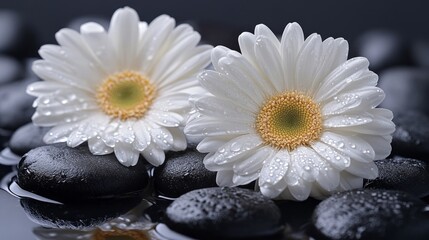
405	174
10	69
224	213
76	216
26	138
406	89
76	23
365	214
411	137
382	48
420	53
15	105
183	172
74	174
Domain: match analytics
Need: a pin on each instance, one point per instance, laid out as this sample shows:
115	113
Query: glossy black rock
26	138
15	105
405	174
224	213
183	172
406	89
76	216
365	214
411	138
74	174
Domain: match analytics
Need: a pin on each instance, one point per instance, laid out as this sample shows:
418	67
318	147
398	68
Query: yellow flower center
125	95
289	120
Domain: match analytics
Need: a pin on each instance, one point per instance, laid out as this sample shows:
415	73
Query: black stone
183	172
382	48
4	136
26	138
76	216
10	69
224	213
76	23
406	89
411	137
74	174
405	174
15	105
365	214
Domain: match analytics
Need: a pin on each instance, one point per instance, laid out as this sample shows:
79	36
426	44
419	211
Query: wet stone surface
182	172
366	214
405	174
411	138
26	138
224	213
74	174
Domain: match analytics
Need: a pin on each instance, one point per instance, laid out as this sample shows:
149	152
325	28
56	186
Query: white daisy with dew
124	90
295	115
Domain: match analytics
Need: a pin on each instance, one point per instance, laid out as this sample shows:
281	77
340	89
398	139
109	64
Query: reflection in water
7	157
130	226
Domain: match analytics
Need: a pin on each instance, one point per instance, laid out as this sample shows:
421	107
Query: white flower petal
352	146
162	138
98	147
153	41
300	191
366	170
142	135
123	34
307	163
263	30
165	118
308	62
244	179
271	179
380	144
215	107
336	158
179	139
291	43
348	73
224	178
221	87
247	42
334	53
44	88
59	133
208	127
154	155
234	150
364	98
268	58
211	144
126	155
254	162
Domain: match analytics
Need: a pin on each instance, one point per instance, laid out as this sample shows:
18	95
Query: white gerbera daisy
295	114
123	91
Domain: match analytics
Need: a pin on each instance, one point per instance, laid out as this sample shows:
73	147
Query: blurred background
335	18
